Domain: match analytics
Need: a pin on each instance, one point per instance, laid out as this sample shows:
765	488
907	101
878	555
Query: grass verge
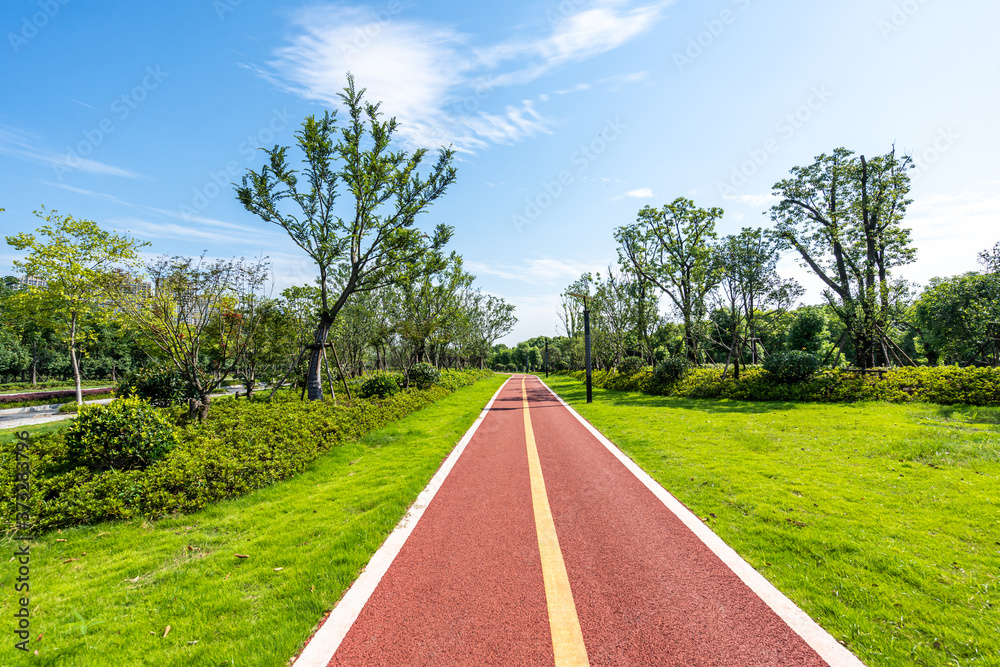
106	594
881	521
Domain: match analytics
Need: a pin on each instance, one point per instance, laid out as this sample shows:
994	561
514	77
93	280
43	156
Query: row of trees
386	292
842	218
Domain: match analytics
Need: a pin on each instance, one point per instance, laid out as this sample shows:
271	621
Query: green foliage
159	385
670	370
378	384
423	375
944	385
631	365
246	445
792	366
126	434
807	330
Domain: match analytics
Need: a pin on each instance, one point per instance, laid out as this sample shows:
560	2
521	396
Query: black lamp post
586	344
546	356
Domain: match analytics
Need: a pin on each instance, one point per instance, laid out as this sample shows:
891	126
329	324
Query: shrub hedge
244	445
127	434
946	385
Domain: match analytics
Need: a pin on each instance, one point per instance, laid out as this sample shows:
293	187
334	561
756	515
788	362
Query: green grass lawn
24	387
105	595
881	521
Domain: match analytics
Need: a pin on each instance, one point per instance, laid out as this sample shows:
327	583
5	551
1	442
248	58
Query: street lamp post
586	344
546	356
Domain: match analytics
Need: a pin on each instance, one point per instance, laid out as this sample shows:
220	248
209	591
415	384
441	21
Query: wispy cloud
612	82
533	271
640	193
433	79
27	146
754	200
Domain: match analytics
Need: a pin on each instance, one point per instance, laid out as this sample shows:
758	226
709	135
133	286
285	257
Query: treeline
842	218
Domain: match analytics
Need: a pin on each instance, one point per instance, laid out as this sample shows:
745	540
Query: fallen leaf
70	560
167	631
226	577
60	540
242	556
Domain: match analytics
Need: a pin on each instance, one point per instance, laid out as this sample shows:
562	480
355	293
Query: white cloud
432	79
950	230
754	200
640	193
534	271
26	146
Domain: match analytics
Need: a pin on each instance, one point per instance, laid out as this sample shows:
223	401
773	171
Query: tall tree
201	316
375	238
673	248
843	215
73	257
490	318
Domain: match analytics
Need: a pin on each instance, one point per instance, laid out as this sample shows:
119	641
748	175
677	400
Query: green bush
423	375
669	371
944	385
631	365
159	385
792	366
378	384
126	434
243	446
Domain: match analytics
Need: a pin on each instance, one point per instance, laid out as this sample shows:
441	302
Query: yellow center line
567	638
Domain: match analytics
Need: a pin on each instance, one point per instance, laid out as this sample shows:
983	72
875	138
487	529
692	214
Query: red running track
466	588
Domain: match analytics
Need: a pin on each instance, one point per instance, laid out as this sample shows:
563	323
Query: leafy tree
673	248
490	318
74	259
959	319
376	238
808	330
201	316
843	216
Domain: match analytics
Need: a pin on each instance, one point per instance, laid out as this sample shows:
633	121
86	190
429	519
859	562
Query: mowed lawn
174	592
881	521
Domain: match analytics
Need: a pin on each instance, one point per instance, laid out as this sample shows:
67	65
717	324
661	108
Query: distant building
27	281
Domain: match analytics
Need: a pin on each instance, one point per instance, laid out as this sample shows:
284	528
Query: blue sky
568	117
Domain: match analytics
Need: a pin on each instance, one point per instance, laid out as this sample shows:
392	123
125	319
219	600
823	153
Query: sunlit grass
881	521
106	594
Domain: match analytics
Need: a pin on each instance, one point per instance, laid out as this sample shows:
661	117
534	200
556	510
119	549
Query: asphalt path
542	544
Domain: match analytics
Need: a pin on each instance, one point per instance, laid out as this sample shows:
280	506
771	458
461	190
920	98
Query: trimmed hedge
243	446
945	385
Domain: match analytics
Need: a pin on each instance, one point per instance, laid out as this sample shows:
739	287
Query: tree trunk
203	407
74	361
314	382
34	363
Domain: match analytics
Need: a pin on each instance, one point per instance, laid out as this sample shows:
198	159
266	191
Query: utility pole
546	356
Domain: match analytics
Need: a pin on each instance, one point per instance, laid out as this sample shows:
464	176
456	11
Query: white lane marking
320	649
819	639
